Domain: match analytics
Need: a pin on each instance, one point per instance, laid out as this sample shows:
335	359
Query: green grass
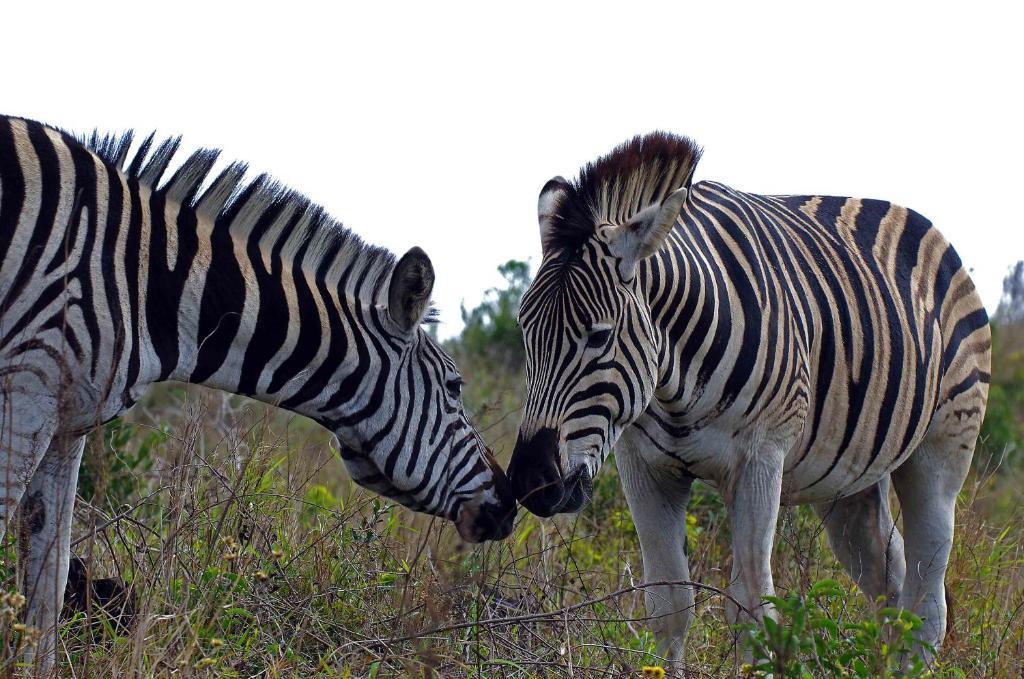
252	554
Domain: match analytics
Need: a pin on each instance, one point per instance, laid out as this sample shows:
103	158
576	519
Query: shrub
807	640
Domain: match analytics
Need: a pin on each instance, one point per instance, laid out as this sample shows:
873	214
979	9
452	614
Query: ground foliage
251	553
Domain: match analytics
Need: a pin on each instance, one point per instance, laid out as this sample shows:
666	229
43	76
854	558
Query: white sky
436	126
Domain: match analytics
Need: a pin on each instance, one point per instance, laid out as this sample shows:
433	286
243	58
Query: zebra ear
547	207
646	232
409	291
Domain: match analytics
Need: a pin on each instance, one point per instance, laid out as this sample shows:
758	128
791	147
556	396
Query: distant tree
1003	430
492	327
490	355
1011	306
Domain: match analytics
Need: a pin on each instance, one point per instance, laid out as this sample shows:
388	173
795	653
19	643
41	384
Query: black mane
613	188
230	200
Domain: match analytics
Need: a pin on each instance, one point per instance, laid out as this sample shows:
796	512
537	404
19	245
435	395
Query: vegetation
1004	420
806	640
250	553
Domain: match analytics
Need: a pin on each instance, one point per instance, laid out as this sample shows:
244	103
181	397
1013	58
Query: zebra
113	279
784	349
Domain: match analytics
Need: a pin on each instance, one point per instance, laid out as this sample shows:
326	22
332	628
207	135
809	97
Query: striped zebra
112	279
785	349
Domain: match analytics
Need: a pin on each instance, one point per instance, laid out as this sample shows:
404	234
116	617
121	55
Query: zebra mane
613	188
231	200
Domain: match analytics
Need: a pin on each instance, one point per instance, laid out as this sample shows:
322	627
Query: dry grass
251	554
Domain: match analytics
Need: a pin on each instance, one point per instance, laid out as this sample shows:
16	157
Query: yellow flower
216	643
654	671
261	576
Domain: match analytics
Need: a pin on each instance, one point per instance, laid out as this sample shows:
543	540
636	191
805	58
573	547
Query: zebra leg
927	485
45	544
864	538
26	426
752	497
657	500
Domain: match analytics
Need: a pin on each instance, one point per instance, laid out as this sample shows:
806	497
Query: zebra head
411	439
591	345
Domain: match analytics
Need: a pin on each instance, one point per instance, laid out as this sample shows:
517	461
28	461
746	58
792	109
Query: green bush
1003	429
492	327
807	640
119	455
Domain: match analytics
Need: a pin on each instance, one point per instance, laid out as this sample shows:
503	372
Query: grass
250	553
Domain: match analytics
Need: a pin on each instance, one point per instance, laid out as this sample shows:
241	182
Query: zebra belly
821	464
835	467
857	441
850	475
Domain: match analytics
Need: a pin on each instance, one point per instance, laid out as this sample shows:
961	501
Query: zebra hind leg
927	485
864	538
45	545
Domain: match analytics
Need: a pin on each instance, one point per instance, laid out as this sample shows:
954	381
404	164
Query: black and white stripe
112	279
823	342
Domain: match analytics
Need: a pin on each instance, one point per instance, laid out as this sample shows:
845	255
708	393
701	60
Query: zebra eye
598	337
454	387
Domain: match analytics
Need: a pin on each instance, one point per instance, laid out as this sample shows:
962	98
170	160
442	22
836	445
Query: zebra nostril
499	521
534	474
484	519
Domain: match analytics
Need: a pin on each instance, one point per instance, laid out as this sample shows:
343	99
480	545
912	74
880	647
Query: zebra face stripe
409	439
590	370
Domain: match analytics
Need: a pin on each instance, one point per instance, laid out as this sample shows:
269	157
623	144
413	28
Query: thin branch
561	613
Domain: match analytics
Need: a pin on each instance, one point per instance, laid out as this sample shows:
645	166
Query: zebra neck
276	328
689	300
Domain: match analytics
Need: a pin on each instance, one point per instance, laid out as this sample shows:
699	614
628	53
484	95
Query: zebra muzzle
485	520
539	483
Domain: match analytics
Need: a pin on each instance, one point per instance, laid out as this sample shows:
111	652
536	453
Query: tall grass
250	553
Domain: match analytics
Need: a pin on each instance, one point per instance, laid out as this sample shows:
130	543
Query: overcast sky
430	126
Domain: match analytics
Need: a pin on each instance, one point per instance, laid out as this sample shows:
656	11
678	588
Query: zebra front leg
45	544
26	426
657	499
752	495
